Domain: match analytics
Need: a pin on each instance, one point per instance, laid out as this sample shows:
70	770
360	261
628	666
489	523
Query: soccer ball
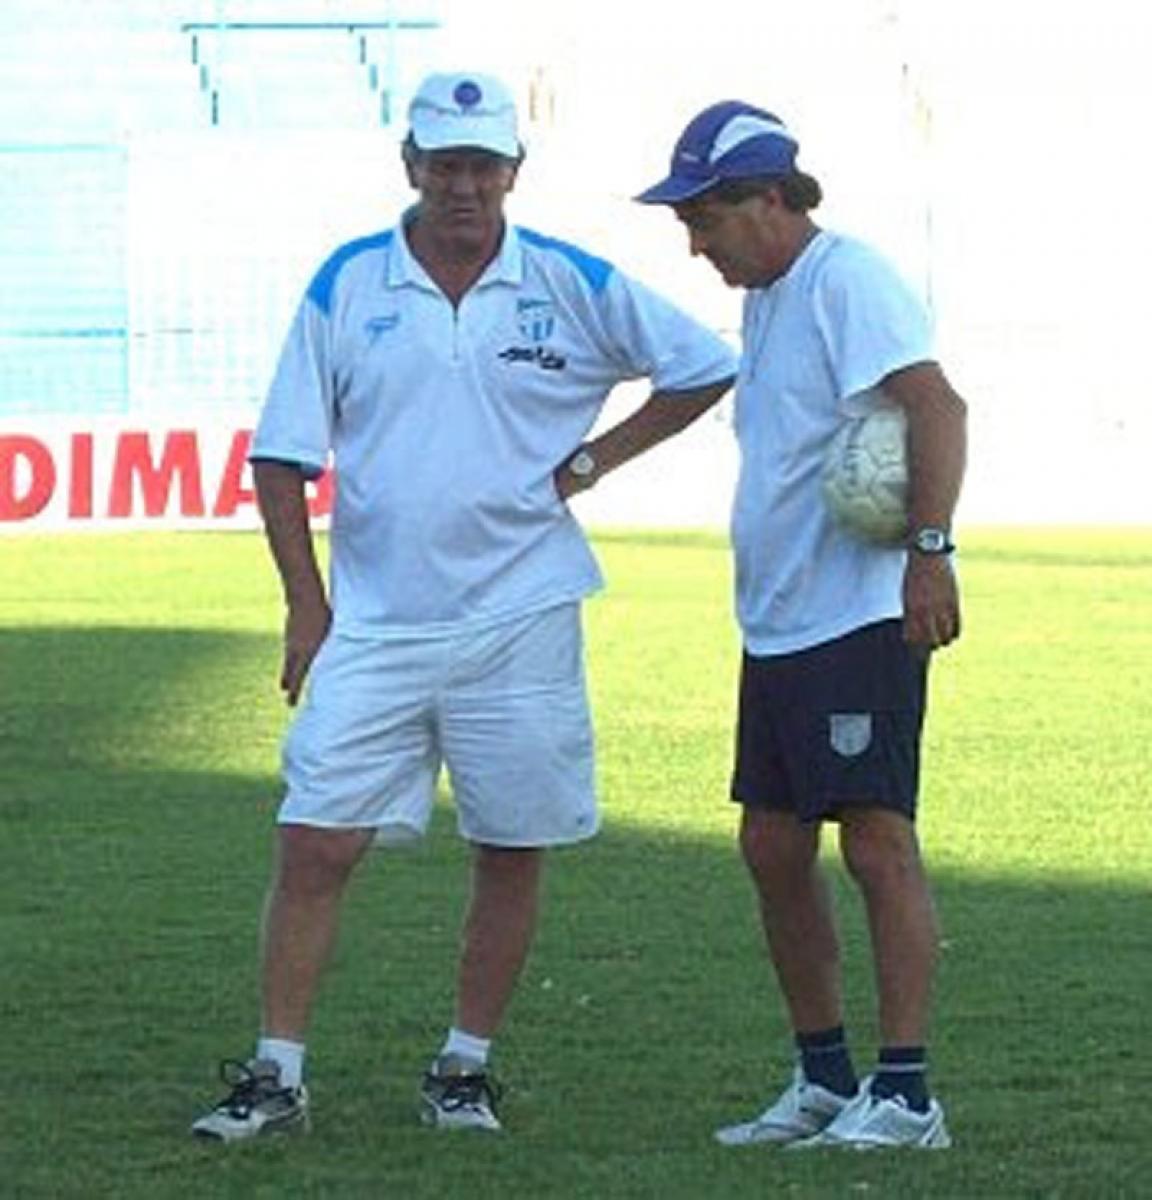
865	477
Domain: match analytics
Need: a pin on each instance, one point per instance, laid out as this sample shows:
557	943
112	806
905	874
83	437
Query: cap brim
676	189
463	140
452	132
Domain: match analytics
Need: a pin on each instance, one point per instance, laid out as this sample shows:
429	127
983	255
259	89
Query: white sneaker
803	1110
459	1094
256	1104
875	1122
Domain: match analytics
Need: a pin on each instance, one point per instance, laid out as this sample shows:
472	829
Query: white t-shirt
816	344
445	424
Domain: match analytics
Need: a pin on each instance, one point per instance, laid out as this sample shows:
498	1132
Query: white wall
994	149
1030	167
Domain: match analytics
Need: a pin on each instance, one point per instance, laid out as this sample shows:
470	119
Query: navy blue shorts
833	727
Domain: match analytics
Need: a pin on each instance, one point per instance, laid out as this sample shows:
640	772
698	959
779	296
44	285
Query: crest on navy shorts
850	733
536	319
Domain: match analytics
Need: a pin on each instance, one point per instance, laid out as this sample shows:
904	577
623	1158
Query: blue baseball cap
729	140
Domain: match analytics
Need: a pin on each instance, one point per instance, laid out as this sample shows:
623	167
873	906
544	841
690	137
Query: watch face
932	541
582	464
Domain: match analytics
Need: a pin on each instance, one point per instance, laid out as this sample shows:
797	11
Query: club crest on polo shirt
850	734
536	323
536	319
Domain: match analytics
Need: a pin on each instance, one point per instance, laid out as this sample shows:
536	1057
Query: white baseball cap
464	109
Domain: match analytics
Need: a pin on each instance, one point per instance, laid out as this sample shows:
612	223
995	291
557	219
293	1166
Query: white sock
288	1056
466	1045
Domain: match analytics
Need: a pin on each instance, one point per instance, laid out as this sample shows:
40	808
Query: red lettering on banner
180	458
80	480
100	474
36	458
232	492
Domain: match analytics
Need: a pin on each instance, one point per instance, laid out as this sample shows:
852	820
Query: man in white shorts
452	367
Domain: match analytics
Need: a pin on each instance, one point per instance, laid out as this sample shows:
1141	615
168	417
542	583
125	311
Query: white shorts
505	709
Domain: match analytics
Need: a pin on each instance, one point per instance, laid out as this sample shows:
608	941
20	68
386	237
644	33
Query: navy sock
825	1060
901	1072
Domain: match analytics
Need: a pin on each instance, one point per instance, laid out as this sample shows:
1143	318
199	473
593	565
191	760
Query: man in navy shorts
836	630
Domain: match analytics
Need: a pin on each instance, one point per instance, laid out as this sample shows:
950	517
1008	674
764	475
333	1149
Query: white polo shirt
816	345
444	424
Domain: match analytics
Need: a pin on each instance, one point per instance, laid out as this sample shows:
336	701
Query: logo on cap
467	94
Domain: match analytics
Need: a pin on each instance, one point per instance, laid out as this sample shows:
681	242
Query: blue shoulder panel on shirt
597	271
320	289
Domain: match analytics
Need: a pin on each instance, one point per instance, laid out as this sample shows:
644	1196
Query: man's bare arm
937	449
284	508
662	415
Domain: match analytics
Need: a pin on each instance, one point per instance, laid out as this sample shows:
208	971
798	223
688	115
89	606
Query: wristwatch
932	540
582	464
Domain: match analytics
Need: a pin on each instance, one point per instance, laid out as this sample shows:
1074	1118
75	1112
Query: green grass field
139	728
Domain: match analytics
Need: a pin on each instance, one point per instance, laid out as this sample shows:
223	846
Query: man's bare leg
301	917
498	934
796	912
882	854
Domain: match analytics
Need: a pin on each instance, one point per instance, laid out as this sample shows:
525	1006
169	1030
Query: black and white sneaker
459	1094
256	1104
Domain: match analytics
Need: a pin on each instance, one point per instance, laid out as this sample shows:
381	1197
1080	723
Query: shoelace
247	1088
468	1091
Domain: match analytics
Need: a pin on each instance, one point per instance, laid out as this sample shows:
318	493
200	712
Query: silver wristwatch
582	464
931	540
